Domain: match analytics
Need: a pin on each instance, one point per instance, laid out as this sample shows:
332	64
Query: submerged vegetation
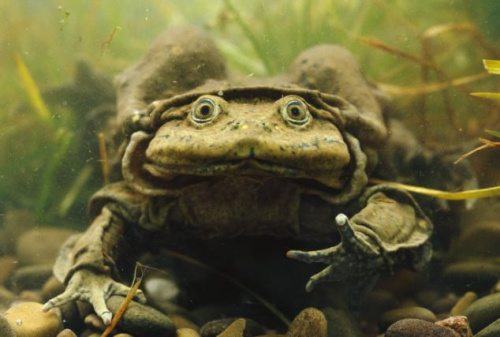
50	161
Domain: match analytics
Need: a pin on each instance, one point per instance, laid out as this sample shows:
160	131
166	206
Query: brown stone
67	333
309	322
235	329
186	332
41	245
28	320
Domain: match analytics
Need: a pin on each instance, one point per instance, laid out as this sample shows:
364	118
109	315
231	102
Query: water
59	60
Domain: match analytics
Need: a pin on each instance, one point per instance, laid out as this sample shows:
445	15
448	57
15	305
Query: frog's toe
323	255
327	274
352	243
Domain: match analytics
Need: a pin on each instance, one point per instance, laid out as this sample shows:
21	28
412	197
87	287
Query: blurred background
58	58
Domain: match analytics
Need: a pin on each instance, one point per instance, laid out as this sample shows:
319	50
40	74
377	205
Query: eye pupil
295	111
205	110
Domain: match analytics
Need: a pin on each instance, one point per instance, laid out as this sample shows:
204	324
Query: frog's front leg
384	235
92	265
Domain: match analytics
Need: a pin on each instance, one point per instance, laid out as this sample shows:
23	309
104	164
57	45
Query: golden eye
204	110
296	112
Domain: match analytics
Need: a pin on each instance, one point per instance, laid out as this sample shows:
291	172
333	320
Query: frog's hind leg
180	59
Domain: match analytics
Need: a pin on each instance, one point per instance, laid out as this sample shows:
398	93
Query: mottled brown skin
208	158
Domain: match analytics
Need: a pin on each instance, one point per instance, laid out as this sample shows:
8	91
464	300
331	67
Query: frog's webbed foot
95	289
355	260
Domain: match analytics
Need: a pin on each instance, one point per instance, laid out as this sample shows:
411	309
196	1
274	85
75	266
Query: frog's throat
140	178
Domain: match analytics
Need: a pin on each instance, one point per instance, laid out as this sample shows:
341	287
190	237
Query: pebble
216	327
459	324
345	324
51	288
471	275
444	305
5	329
395	315
15	223
463	303
186	332
31	277
7	266
309	322
479	240
66	333
235	329
142	320
182	322
41	245
377	302
492	330
412	327
28	320
483	312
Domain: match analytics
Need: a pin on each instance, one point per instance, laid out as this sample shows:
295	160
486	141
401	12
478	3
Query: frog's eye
204	110
296	112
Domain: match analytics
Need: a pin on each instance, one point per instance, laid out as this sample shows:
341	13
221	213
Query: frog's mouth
153	179
244	167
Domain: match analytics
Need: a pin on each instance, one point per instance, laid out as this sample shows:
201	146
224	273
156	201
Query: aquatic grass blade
32	89
75	189
493	66
493	133
492	95
259	50
464	195
428	88
63	142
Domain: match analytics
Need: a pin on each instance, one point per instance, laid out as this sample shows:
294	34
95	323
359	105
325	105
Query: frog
206	154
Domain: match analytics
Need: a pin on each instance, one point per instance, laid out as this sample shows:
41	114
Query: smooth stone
463	303
31	277
459	324
6	296
31	296
94	322
235	329
183	322
41	245
377	302
216	327
471	275
28	320
492	330
444	305
71	317
427	297
479	240
483	312
309	322
16	222
161	289
187	332
5	329
66	333
51	288
125	335
7	265
142	320
342	323
392	316
412	327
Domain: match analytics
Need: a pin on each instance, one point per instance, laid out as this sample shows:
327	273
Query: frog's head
260	131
